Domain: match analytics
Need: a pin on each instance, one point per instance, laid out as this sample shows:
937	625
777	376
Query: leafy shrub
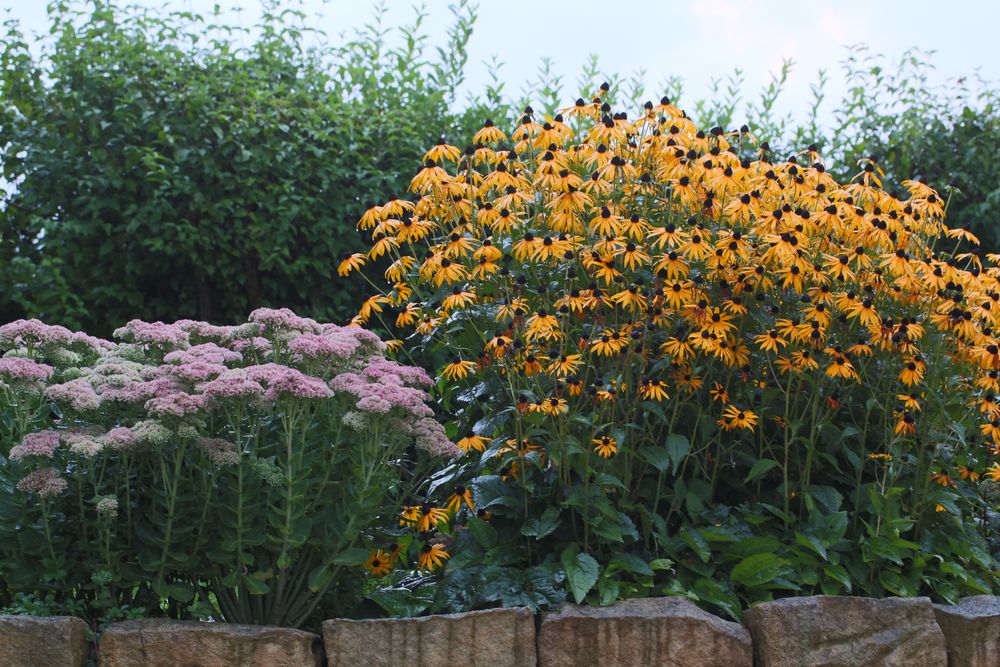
163	170
678	365
243	472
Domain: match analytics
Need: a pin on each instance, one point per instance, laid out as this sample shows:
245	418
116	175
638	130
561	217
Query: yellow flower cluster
596	256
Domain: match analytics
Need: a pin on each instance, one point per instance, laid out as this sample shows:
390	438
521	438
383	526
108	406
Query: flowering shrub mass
244	473
680	364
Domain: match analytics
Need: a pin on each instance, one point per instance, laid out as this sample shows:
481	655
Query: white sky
693	39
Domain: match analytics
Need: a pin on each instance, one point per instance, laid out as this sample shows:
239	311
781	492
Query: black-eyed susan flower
605	446
430	517
459	496
351	263
458	369
432	557
653	390
378	563
472	443
735	418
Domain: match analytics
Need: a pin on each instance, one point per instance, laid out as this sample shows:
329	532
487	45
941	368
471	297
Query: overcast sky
693	39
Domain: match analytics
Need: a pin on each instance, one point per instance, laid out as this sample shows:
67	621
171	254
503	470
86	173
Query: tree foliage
159	171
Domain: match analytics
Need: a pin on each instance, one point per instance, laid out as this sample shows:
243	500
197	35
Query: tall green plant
240	472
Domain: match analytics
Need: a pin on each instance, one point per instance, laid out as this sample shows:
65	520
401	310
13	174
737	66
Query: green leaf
658	457
811	542
355	556
758	569
896	583
318	578
608	590
693	539
582	575
677	447
631	563
404	602
760	468
483	531
543	525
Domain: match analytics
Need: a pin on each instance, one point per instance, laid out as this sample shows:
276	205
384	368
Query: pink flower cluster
120	437
380	369
284	320
156	334
208	353
253	344
204	330
379	390
45	482
77	394
40	443
22	368
431	438
220	452
281	381
340	345
34	333
176	405
234	383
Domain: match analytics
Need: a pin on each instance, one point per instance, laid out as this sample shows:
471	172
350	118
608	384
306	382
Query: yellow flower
430	517
351	263
432	557
458	369
609	344
542	326
734	418
653	390
605	446
489	134
459	496
564	365
379	563
473	442
719	393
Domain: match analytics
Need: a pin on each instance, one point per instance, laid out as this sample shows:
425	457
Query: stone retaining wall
669	632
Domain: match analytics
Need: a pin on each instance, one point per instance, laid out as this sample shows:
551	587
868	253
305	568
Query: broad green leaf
758	569
677	447
582	575
759	468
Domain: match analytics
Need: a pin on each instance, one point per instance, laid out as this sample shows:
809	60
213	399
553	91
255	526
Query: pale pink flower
120	437
33	333
204	330
158	334
379	368
45	482
176	405
282	380
431	438
196	371
205	353
253	344
234	383
22	368
284	320
220	452
331	345
41	443
77	394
